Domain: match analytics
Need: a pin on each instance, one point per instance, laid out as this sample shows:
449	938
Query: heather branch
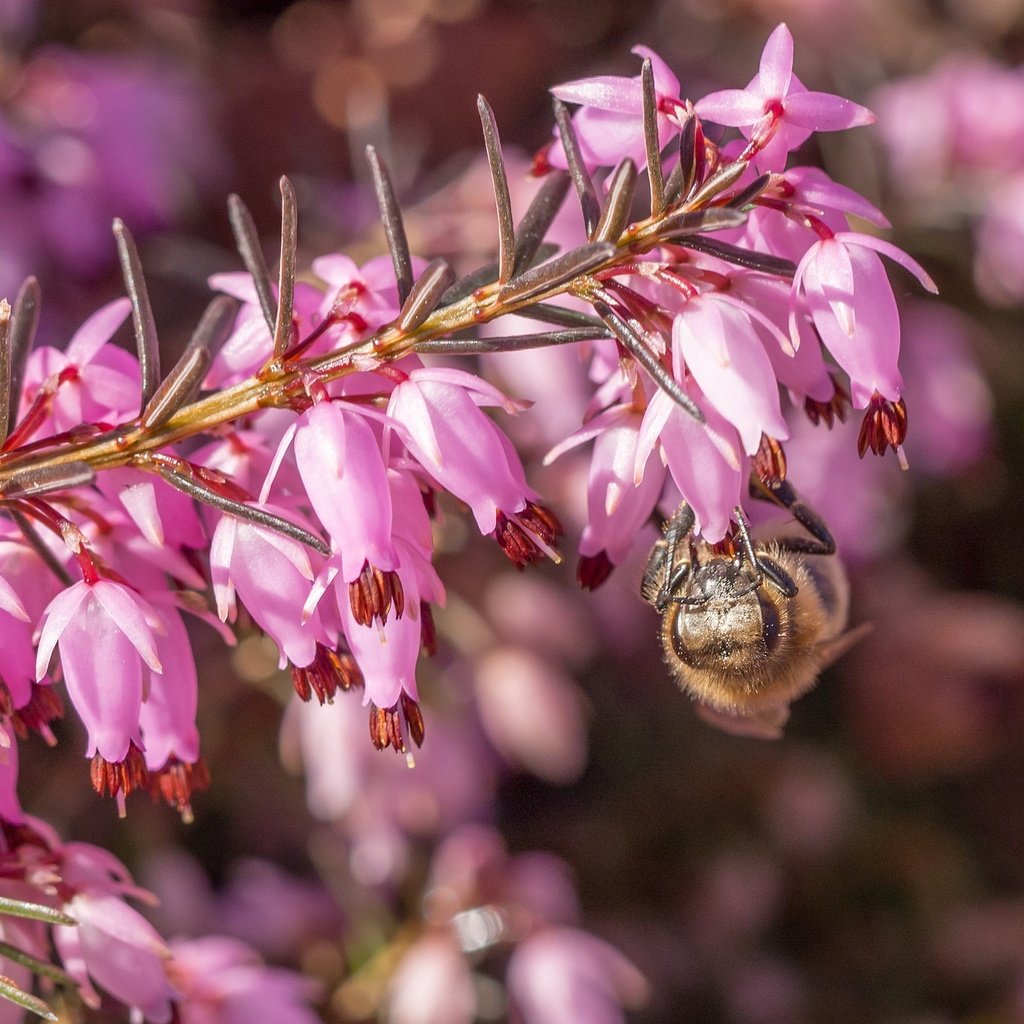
283	383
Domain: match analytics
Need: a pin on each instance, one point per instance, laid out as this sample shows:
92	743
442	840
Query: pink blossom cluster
73	895
301	490
356	459
481	900
735	337
955	142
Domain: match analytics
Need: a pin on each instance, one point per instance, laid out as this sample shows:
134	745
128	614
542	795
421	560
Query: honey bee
747	626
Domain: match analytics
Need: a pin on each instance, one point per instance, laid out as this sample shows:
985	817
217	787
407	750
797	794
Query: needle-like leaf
425	295
539	214
6	398
286	277
249	248
11	992
42	480
512	343
192	487
740	256
502	199
558	271
24	319
391	219
617	207
651	141
684	174
589	202
182	383
146	341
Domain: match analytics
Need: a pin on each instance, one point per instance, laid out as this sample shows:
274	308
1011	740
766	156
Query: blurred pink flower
219	980
563	974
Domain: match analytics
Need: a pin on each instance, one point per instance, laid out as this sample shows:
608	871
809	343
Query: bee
747	626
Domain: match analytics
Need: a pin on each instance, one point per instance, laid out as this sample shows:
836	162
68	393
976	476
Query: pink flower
777	108
116	947
271	573
343	471
850	300
224	981
705	460
460	447
432	985
715	339
105	635
89	381
609	124
564	974
617	504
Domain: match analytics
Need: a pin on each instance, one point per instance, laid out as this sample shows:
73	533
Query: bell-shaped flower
610	122
387	653
343	471
432	983
565	974
168	713
714	337
223	980
164	515
104	631
271	573
359	299
90	381
776	108
459	446
115	946
704	459
618	504
845	290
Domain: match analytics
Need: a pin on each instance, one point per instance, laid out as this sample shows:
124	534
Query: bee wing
765	723
832	650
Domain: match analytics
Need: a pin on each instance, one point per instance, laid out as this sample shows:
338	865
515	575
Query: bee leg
663	576
781	493
763	567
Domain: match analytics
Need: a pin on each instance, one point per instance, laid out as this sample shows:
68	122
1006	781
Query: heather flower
341	465
617	504
271	573
705	460
777	109
850	300
561	974
251	343
532	713
218	980
717	343
105	633
609	123
90	381
432	985
116	947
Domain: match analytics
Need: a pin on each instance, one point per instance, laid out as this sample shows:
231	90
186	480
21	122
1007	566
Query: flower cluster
73	895
289	469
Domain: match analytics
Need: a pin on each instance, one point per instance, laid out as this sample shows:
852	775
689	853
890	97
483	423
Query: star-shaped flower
776	109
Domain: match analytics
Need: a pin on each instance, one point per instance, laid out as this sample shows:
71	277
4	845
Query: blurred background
869	866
